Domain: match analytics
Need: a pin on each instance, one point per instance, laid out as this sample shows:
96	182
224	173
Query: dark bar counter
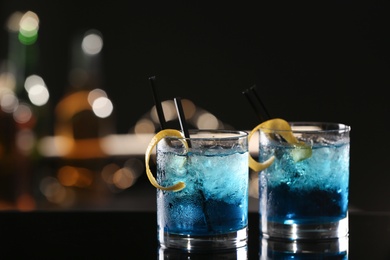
133	235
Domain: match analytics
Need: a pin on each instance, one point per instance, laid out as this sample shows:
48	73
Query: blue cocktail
211	212
303	194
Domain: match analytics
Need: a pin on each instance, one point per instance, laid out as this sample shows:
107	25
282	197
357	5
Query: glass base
336	248
204	243
228	254
330	230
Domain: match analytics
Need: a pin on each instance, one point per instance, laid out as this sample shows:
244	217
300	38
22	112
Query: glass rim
313	127
207	134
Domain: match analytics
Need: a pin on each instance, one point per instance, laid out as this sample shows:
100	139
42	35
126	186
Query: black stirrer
253	89
182	119
248	97
258	106
157	102
184	128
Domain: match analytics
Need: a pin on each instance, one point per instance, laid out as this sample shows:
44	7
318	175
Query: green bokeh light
28	38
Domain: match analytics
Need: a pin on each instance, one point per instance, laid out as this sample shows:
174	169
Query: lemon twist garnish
301	152
159	136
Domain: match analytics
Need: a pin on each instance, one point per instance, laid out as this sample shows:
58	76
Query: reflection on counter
310	249
231	254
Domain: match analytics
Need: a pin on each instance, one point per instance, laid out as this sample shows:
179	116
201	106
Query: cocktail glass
303	194
211	211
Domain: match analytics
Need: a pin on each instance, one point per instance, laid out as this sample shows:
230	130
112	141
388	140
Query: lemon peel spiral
286	132
157	137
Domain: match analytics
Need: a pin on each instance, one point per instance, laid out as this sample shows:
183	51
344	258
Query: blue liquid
215	199
203	217
312	191
305	206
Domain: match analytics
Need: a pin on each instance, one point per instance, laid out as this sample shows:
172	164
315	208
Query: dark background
323	61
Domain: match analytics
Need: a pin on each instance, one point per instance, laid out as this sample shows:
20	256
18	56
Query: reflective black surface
132	235
331	249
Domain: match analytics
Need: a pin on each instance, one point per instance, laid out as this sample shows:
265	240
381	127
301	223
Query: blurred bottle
83	117
19	116
84	114
8	156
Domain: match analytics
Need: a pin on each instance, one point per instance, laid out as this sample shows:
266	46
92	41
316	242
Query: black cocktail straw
157	102
184	128
182	119
256	103
256	95
248	97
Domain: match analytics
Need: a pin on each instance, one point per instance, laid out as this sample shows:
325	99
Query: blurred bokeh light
84	158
